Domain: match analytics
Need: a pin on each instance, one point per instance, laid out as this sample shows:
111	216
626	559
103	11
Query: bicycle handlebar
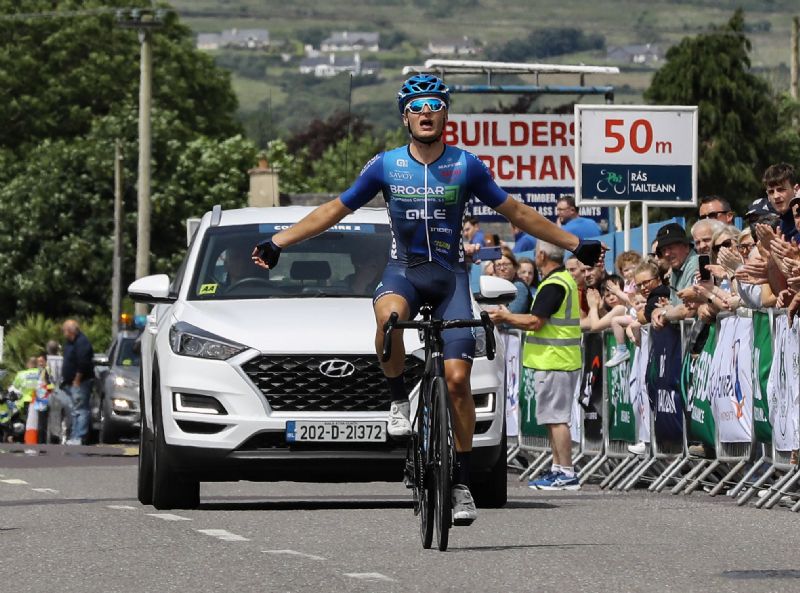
392	324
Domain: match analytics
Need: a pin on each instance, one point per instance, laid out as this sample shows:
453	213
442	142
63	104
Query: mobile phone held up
702	262
488	254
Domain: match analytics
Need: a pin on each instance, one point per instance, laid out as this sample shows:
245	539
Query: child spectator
626	265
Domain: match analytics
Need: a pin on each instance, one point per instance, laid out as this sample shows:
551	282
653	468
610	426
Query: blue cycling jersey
425	202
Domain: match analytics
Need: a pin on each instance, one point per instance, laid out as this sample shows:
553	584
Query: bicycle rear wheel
443	460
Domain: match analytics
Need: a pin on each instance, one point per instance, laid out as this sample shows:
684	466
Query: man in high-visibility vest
551	360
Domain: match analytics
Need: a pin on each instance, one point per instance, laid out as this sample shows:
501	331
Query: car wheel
144	485
492	493
170	489
108	434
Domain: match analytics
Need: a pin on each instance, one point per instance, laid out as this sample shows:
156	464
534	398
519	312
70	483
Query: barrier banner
732	380
697	389
513	383
663	383
621	420
591	394
762	362
638	387
527	407
784	387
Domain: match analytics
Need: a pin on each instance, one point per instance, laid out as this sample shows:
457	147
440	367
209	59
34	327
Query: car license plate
335	431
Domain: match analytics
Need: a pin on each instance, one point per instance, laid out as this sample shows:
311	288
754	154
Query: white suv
268	375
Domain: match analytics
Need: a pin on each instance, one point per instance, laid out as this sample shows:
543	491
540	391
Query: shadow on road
315	504
520	547
33	502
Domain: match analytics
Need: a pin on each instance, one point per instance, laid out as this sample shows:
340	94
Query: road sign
636	153
530	156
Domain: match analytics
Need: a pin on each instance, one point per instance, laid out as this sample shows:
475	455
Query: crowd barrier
732	386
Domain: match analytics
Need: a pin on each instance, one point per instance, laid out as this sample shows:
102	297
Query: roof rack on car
216	215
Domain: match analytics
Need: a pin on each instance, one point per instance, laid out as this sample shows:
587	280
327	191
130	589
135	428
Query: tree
741	128
70	90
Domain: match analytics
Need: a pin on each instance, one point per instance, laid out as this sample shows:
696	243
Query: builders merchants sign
636	154
529	155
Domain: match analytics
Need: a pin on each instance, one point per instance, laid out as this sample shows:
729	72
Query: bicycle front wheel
442	461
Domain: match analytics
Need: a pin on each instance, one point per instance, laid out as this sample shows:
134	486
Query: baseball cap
760	206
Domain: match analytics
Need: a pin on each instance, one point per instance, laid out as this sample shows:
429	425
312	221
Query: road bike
431	448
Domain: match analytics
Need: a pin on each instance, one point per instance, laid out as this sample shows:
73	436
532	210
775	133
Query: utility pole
795	56
116	277
144	21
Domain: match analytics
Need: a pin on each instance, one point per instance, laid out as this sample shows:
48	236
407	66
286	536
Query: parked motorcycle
12	419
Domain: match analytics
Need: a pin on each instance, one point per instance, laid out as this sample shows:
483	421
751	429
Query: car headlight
480	342
123	382
122	405
188	340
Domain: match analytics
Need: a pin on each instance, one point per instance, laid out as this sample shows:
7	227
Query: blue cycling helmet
421	85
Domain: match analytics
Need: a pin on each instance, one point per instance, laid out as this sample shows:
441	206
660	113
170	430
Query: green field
494	21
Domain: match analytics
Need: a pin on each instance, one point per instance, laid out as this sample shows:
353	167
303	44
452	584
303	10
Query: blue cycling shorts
445	290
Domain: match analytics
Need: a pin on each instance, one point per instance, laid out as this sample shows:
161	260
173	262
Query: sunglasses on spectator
643	283
727	243
745	247
713	214
417	105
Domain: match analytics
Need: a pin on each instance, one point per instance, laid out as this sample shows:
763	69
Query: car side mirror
152	290
495	291
101	360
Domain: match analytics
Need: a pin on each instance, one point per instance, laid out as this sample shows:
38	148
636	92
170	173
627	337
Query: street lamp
144	21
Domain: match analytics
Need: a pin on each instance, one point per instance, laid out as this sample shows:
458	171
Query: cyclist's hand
266	254
590	252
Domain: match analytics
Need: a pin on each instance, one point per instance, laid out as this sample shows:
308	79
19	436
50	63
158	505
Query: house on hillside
456	46
635	54
350	41
234	39
331	65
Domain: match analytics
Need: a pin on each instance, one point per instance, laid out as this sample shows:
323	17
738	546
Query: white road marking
168	517
14	481
120	507
294	553
369	576
223	534
45	490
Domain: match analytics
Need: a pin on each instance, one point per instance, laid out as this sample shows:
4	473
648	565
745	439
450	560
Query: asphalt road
70	522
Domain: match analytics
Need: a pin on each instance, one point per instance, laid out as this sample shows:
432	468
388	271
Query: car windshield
345	261
126	356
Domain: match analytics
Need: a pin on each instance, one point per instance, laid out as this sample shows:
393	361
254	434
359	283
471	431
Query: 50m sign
636	154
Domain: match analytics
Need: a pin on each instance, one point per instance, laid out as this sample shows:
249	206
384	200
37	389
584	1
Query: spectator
605	307
522	240
663	265
506	268
758	208
781	184
78	378
567	212
677	250
595	276
488	269
625	264
472	231
54	362
578	272
716	208
528	273
552	360
702	233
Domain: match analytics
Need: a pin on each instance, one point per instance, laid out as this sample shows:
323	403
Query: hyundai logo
337	368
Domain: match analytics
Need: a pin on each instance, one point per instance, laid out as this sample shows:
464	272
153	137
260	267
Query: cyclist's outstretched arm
320	219
533	223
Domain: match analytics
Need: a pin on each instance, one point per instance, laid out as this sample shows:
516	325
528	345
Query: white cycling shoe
399	422
464	511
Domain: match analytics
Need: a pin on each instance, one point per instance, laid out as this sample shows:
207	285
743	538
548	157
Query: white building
331	65
350	41
457	46
234	39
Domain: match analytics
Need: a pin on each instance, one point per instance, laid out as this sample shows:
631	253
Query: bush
30	336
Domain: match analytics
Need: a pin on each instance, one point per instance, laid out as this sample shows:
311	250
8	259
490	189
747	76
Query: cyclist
426	185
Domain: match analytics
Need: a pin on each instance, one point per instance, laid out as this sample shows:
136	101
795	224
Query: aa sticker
208	289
